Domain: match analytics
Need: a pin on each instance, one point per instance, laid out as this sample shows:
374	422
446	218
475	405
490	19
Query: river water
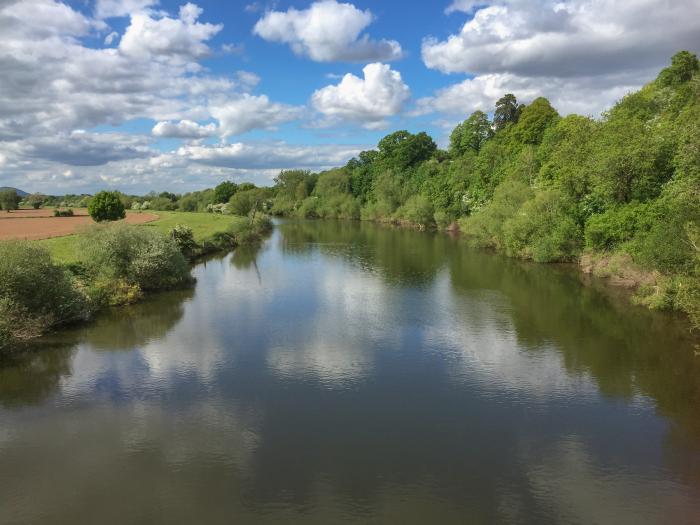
353	373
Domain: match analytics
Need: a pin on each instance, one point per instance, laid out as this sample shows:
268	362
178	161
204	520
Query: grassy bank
47	284
204	226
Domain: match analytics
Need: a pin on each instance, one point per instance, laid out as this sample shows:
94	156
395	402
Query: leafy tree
243	202
471	134
534	120
683	66
224	191
403	149
106	206
333	182
507	112
9	200
36	200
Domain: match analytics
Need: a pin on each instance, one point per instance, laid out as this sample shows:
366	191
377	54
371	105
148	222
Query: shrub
615	226
9	200
138	255
417	210
63	213
106	206
184	239
486	226
543	230
35	293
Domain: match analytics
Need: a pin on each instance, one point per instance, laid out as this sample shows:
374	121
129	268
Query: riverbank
48	284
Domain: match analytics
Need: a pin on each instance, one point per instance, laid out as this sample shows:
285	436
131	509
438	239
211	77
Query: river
353	373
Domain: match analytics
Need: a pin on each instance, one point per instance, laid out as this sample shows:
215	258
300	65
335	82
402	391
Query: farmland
41	224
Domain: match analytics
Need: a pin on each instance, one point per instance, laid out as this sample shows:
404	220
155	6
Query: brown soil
41	224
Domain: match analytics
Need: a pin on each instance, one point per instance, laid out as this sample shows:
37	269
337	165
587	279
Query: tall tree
471	134
507	111
9	200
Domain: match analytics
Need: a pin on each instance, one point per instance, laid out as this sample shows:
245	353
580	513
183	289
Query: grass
204	225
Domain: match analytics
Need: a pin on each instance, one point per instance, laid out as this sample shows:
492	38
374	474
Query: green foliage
9	200
137	255
615	226
35	294
106	206
486	226
183	236
471	134
403	149
417	210
36	200
534	121
507	112
683	66
224	191
63	213
247	200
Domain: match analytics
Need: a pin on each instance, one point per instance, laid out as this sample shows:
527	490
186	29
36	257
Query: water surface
350	373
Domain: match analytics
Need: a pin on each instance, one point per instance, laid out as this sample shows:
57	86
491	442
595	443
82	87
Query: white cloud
574	38
80	148
273	155
121	8
582	54
369	100
181	39
327	31
249	112
111	38
464	6
581	96
185	129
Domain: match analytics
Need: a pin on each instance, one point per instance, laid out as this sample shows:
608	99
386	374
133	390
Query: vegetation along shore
619	195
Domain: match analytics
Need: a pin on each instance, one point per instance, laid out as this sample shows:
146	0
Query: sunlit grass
64	249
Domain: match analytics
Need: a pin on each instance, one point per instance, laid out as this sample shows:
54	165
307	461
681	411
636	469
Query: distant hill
19	192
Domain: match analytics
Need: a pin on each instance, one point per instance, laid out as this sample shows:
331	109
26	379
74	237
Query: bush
63	213
543	230
184	239
615	226
9	200
139	255
417	210
35	294
106	206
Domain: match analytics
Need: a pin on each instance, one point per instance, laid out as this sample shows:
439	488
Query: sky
142	95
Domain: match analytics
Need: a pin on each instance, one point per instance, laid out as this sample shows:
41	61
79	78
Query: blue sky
146	95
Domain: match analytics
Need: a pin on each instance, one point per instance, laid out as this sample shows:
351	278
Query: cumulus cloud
327	31
584	96
369	100
249	112
182	39
185	129
121	8
272	155
575	38
595	49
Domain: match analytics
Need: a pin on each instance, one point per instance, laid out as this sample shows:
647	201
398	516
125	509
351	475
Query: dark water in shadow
346	372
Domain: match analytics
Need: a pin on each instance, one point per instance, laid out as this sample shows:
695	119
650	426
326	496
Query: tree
224	191
403	149
507	112
106	206
471	134
36	200
534	120
9	200
243	202
683	66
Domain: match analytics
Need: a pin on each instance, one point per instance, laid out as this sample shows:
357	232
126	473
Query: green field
64	249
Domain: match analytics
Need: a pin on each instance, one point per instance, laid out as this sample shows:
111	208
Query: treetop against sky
142	94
